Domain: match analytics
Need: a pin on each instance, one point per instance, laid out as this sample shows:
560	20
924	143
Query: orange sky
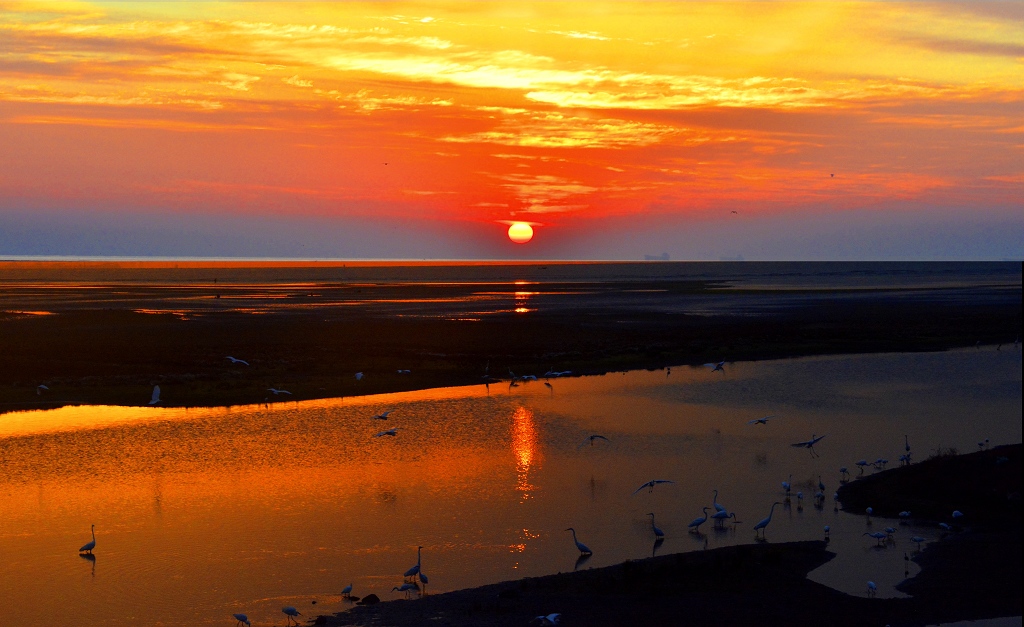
579	117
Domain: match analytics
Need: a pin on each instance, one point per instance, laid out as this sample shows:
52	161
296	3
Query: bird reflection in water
657	545
89	557
524	449
581	560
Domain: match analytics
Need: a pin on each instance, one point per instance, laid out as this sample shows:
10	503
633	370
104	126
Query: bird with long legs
415	570
89	546
346	592
809	444
695	524
579	545
291	613
714	501
657	532
763	524
721	516
242	619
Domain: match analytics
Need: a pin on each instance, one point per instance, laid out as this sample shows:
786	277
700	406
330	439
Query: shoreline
973	574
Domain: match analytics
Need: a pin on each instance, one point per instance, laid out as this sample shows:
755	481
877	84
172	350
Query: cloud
298	82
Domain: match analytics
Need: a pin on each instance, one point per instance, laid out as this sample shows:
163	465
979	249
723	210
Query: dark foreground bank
974	572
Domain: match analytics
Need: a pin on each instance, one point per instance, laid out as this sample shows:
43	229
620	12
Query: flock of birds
414	577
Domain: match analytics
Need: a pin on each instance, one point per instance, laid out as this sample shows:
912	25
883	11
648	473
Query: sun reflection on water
524	448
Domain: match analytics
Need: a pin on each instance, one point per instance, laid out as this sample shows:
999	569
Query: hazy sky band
582	117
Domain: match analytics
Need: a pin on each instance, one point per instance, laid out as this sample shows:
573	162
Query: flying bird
760	421
156	395
276	391
237	361
719	367
809	444
650	485
383	415
591	438
391	432
40	389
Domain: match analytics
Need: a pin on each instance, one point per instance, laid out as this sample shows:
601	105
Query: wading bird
721	516
878	535
241	618
359	376
917	540
89	546
650	485
415	570
714	501
406	588
156	395
237	361
346	592
291	613
391	432
760	421
844	475
787	485
697	522
872	588
861	464
579	545
657	532
765	522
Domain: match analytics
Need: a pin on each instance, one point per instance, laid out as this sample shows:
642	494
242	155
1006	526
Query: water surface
252	508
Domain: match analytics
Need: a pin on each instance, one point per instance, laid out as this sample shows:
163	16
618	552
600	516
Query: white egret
844	474
904	517
237	361
549	386
945	526
423	578
787	485
406	587
889	531
760	421
579	545
276	391
412	572
591	438
657	532
405	372
809	444
650	485
721	516
764	522
861	464
697	522
918	540
872	588
291	613
719	367
827	530
359	376
821	486
346	592
714	501
156	395
89	546
40	389
391	432
547	621
241	618
878	535
383	415
957	514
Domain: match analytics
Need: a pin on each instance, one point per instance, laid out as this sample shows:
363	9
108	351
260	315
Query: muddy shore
95	338
972	573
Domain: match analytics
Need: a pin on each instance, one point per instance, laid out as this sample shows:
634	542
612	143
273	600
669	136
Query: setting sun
520	232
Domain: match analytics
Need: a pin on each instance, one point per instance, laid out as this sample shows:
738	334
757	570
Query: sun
520	232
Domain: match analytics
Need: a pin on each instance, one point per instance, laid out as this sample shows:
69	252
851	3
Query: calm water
205	512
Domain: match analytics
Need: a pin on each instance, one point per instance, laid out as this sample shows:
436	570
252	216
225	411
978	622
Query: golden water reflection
247	509
524	448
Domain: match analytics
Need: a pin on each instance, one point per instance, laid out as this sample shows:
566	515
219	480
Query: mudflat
107	332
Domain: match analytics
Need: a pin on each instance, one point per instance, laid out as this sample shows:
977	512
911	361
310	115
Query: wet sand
972	574
105	334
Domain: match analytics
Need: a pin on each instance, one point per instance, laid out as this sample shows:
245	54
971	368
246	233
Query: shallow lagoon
205	512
